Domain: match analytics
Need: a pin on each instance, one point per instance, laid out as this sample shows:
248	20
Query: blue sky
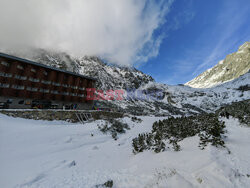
197	34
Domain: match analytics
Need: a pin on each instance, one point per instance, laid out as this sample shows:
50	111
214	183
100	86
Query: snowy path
58	154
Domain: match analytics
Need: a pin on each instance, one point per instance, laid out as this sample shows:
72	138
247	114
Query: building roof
42	65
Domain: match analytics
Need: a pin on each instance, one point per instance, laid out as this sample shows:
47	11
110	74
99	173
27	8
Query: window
4	85
54	92
65	85
28	102
45	73
7	75
32	89
5	63
82	88
33	70
20	67
33	79
21	77
21	102
74	87
80	95
44	90
19	87
9	101
56	84
74	94
65	93
46	82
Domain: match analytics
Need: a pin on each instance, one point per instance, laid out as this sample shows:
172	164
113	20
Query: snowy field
58	154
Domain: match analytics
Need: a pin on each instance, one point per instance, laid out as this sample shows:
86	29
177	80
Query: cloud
122	31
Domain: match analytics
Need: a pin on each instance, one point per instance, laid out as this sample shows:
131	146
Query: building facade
23	81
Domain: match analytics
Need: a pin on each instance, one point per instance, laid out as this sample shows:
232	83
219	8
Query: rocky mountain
108	76
233	66
171	100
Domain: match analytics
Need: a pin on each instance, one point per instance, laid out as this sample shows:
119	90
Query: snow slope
59	154
206	99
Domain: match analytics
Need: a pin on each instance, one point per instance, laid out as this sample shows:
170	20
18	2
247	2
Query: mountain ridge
174	100
233	66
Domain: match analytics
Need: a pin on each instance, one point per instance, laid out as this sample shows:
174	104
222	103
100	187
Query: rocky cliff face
231	67
108	76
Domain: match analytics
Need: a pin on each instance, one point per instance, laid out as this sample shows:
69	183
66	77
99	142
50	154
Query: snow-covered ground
59	154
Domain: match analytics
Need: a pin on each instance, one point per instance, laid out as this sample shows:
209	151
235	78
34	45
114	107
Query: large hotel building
23	82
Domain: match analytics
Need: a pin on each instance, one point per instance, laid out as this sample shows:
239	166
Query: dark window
21	102
5	63
9	101
20	67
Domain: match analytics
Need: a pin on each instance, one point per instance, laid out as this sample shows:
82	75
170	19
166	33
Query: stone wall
51	115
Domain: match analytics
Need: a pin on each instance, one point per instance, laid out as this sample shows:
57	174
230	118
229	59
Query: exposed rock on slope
231	67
